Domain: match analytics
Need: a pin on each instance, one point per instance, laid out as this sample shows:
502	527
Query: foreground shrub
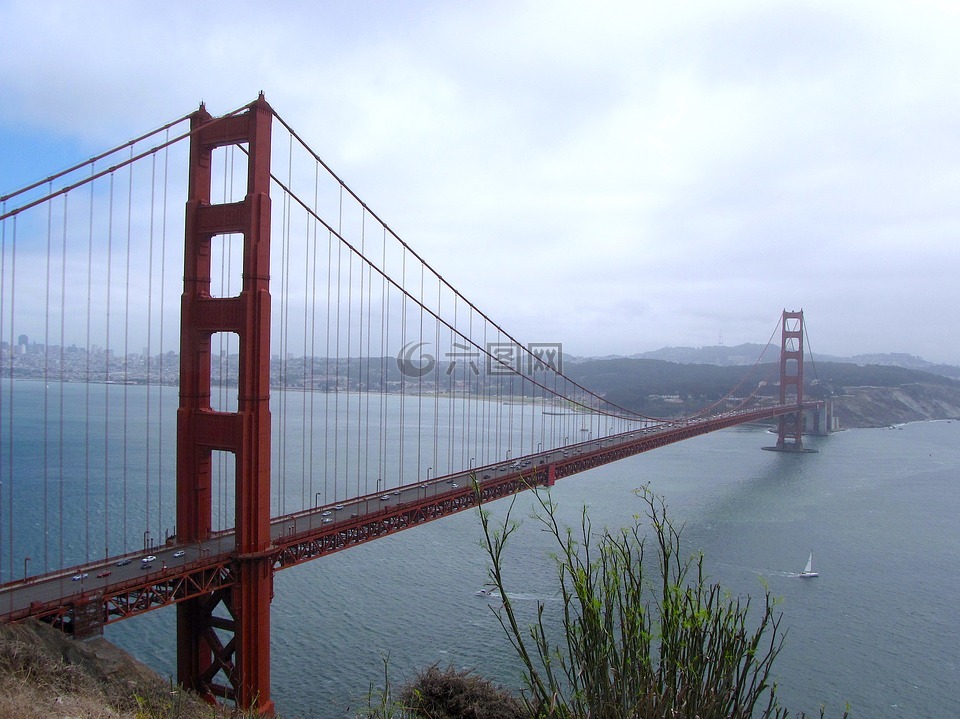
644	636
458	695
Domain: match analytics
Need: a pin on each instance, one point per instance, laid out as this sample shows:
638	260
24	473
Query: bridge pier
822	422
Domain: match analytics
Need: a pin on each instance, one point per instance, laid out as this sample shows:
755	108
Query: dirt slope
43	675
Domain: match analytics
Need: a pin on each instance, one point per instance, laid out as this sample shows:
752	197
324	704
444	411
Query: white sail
809	567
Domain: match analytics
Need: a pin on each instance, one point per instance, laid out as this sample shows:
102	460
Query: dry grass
45	675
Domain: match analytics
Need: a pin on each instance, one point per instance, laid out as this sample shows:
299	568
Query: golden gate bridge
333	388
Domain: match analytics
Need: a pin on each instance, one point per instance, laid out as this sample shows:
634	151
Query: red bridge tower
202	653
790	426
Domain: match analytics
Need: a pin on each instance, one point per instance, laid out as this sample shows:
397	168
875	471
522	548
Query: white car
179	553
78	577
149	558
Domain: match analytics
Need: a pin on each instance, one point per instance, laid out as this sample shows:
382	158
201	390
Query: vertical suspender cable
363	318
336	344
313	326
367	378
287	322
306	438
472	377
149	346
306	388
347	426
126	338
419	468
453	406
11	483
163	268
107	464
88	379
482	428
406	353
326	394
285	293
384	420
61	382
46	387
436	390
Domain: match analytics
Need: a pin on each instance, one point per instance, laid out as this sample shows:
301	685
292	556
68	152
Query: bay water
877	630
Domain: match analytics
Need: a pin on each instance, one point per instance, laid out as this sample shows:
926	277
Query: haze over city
617	177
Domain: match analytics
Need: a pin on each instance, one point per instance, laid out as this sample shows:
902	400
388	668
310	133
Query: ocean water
877	630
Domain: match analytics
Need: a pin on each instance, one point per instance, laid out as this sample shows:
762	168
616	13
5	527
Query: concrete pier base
791	450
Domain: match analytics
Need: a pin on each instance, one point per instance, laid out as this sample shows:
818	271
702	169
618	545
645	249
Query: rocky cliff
884	406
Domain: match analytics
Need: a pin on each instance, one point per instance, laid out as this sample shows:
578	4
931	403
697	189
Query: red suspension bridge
311	415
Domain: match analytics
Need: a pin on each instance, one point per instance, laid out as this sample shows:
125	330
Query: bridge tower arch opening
209	660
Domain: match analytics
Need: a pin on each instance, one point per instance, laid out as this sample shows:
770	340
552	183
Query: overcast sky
615	176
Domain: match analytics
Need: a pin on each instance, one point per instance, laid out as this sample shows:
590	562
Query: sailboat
808	570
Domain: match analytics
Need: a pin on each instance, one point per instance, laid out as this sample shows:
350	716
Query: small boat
808	570
485	592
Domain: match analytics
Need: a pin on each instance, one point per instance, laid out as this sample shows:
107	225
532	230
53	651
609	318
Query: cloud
621	174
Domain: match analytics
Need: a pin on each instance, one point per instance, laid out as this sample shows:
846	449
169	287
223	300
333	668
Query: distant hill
747	354
868	395
721	355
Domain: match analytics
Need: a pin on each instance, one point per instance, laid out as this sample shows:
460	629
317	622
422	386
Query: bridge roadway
83	598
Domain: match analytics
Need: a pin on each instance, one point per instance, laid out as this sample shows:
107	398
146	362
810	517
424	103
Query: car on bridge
179	553
149	558
78	577
123	562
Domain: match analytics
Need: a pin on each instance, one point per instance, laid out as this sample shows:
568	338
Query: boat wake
494	593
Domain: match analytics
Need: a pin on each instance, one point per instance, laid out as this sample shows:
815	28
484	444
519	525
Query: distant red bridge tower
790	426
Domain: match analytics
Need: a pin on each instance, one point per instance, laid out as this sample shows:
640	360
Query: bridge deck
114	589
